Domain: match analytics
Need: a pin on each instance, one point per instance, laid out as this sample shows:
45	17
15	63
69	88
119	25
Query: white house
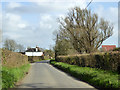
33	52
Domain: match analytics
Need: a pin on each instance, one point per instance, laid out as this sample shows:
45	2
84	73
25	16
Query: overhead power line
89	4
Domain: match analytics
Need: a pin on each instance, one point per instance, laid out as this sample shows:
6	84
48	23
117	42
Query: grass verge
96	77
11	75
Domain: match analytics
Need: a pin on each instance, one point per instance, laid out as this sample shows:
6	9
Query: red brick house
108	47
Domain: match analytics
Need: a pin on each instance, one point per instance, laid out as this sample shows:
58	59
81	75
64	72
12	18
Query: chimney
36	49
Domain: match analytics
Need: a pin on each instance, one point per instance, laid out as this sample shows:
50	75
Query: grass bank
11	75
96	77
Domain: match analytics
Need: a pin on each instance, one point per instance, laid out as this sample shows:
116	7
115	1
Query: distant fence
106	61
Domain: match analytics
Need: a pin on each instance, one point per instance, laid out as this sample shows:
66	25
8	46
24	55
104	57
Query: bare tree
13	46
20	48
84	30
10	44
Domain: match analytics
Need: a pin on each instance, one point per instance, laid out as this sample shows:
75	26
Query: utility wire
89	4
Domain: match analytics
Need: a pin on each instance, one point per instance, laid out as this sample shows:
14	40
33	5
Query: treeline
49	53
81	31
12	45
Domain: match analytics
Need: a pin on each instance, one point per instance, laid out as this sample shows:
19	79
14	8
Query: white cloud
56	0
13	22
25	33
47	22
0	21
46	18
13	26
21	25
110	14
0	16
62	5
13	5
12	17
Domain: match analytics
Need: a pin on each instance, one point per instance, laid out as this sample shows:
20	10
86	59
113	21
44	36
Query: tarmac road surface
44	75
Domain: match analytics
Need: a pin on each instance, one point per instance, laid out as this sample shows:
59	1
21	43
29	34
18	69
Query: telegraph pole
56	50
89	4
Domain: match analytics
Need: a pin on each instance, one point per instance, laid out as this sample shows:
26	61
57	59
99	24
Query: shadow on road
44	61
35	86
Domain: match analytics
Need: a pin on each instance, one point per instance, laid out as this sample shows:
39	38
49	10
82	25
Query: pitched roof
108	47
33	50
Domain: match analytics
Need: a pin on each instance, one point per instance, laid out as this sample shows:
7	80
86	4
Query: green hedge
106	61
96	77
11	75
116	49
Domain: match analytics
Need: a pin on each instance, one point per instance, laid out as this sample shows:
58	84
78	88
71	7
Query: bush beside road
101	60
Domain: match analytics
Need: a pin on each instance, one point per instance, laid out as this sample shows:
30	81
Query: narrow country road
44	75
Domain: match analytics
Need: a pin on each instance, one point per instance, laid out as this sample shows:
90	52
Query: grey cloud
36	9
45	7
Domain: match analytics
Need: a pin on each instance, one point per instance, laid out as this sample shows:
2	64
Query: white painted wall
34	53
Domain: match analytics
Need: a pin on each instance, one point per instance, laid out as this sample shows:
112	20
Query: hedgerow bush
106	61
13	59
116	49
11	75
96	77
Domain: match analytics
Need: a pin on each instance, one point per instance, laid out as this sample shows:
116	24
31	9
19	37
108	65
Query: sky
33	23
